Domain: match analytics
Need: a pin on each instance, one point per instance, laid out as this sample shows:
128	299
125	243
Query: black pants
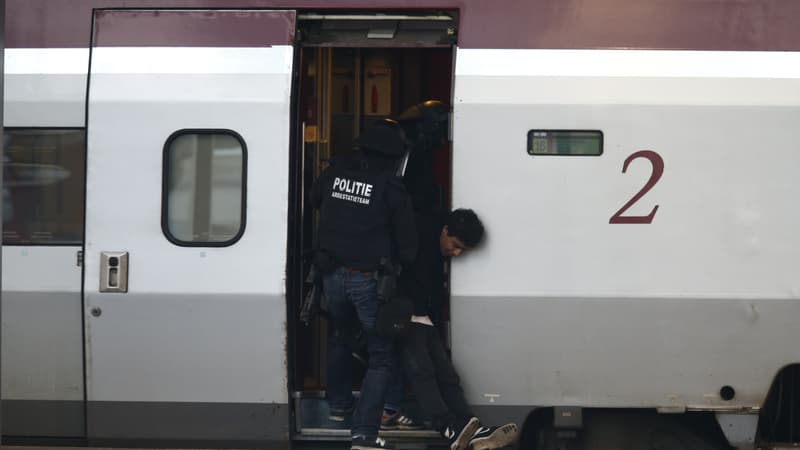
432	376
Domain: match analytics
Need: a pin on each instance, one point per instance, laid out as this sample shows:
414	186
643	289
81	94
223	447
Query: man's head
385	138
462	231
426	124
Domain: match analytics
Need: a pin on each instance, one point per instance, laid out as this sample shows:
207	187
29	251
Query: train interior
352	73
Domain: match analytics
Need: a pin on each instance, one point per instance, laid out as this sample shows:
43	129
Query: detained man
427	367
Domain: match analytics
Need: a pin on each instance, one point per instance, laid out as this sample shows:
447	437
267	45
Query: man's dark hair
426	125
464	224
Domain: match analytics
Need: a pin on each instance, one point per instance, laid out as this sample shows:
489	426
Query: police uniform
365	215
426	126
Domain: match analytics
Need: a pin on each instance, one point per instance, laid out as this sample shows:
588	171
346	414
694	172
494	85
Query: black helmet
426	123
384	138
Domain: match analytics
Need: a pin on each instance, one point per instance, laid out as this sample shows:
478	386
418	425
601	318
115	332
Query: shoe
339	415
398	421
486	438
460	432
362	442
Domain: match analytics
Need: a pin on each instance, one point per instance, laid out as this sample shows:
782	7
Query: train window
204	188
565	142
43	178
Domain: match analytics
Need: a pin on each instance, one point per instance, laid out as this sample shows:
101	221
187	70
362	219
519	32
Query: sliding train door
187	177
355	70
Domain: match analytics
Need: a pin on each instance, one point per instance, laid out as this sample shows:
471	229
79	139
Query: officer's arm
317	189
403	226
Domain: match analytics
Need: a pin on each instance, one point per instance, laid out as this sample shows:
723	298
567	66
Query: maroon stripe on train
560	24
193	29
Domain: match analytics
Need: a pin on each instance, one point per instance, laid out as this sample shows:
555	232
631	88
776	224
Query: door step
312	423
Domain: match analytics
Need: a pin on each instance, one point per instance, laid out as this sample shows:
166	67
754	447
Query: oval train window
204	188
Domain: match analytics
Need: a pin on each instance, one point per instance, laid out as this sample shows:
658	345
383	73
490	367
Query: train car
634	164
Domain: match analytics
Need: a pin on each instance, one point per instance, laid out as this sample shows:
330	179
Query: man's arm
317	189
418	279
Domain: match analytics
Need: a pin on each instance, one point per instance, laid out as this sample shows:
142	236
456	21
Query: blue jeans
395	393
347	338
353	296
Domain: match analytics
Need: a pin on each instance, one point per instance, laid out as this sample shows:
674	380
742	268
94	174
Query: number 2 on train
658	170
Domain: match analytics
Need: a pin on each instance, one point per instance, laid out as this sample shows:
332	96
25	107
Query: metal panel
42	349
45	87
202	28
627	315
216	347
44	418
622	353
41	324
728	145
231	424
652	24
197	324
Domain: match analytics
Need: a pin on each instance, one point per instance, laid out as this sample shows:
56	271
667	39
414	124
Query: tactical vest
354	218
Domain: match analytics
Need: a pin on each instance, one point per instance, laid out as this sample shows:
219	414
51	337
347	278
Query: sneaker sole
466	434
503	436
402	428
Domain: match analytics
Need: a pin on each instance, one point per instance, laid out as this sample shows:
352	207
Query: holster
386	277
394	311
394	317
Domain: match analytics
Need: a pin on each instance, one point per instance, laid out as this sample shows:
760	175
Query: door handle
114	272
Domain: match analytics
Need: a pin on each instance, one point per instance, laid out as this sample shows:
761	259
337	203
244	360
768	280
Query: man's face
450	246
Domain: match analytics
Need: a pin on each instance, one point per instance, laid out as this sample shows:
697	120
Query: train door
187	156
354	70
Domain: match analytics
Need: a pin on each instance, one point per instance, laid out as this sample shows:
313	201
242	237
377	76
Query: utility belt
394	311
363	272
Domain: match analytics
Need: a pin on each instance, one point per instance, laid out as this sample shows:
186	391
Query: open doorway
346	82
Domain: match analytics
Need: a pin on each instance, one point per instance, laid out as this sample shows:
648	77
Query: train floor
314	426
305	445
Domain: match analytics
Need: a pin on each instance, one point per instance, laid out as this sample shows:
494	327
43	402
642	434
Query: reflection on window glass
43	177
204	188
565	142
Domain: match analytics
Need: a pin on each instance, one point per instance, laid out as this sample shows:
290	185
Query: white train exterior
684	300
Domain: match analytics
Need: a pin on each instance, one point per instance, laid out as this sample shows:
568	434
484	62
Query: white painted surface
157	347
42	339
161	342
619	77
39	268
627	63
45	87
26	61
675	309
724	228
190	60
628	352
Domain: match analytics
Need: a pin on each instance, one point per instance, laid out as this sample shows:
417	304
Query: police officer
365	216
425	125
426	128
